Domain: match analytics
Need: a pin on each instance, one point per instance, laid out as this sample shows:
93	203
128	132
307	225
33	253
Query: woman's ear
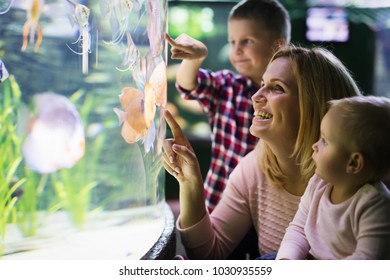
279	43
355	163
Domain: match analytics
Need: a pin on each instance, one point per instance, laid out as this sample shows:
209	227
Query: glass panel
83	84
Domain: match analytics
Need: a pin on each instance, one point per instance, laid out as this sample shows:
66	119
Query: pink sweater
247	200
358	228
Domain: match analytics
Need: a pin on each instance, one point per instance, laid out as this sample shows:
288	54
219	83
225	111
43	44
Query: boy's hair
321	77
366	121
270	12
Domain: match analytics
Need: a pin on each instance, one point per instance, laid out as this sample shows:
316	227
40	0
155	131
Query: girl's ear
355	163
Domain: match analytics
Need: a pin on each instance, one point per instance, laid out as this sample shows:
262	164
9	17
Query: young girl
344	213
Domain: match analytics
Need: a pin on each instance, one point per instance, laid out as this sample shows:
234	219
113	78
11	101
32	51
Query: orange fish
139	111
158	80
32	26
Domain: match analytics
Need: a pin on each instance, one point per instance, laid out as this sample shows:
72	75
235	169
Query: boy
344	213
256	29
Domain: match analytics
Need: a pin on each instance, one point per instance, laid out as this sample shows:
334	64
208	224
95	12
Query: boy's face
251	47
331	152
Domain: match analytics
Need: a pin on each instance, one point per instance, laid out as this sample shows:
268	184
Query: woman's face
276	105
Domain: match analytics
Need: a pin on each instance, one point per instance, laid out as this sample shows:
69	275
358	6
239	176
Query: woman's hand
179	157
181	162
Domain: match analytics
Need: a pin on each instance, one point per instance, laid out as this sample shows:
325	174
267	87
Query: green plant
10	157
73	186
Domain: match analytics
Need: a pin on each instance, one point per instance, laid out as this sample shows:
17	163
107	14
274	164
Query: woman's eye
323	141
278	88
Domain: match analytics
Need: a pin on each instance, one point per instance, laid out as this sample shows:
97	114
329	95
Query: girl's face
276	105
251	47
330	153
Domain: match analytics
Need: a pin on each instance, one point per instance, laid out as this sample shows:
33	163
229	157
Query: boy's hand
186	47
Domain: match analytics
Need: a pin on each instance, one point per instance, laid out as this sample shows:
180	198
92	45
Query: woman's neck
295	184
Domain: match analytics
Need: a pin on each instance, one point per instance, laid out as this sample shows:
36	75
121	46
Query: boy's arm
193	53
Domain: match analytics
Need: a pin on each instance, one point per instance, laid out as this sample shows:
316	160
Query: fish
8	8
158	80
150	136
3	72
154	28
32	26
119	12
131	54
139	109
55	134
80	18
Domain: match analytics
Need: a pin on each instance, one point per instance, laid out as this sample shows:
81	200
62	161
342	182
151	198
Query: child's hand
179	158
186	47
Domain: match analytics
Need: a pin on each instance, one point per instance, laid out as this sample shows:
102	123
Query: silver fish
3	72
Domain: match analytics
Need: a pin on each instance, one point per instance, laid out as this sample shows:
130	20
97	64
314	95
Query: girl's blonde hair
365	120
320	77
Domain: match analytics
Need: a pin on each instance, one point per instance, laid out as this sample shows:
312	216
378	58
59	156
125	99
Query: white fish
55	138
119	12
154	28
8	8
131	54
81	19
3	72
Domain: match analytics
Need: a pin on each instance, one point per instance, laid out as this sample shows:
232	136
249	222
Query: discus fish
139	111
32	27
80	18
158	80
55	137
7	9
3	72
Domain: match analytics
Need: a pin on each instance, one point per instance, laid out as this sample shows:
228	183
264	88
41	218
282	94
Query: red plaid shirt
225	97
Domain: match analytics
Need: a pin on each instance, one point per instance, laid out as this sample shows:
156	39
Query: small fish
32	27
3	72
154	28
139	109
7	9
149	138
119	12
55	137
131	54
158	80
80	18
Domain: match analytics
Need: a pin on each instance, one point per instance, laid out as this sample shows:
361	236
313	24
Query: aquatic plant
73	186
10	157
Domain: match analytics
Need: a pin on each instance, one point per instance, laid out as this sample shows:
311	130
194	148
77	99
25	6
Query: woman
265	188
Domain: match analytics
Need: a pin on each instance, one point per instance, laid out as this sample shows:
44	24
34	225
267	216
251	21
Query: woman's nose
315	147
260	96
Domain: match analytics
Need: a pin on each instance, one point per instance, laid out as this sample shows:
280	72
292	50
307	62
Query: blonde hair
320	77
366	121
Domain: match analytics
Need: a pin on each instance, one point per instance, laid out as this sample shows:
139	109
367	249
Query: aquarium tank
83	87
